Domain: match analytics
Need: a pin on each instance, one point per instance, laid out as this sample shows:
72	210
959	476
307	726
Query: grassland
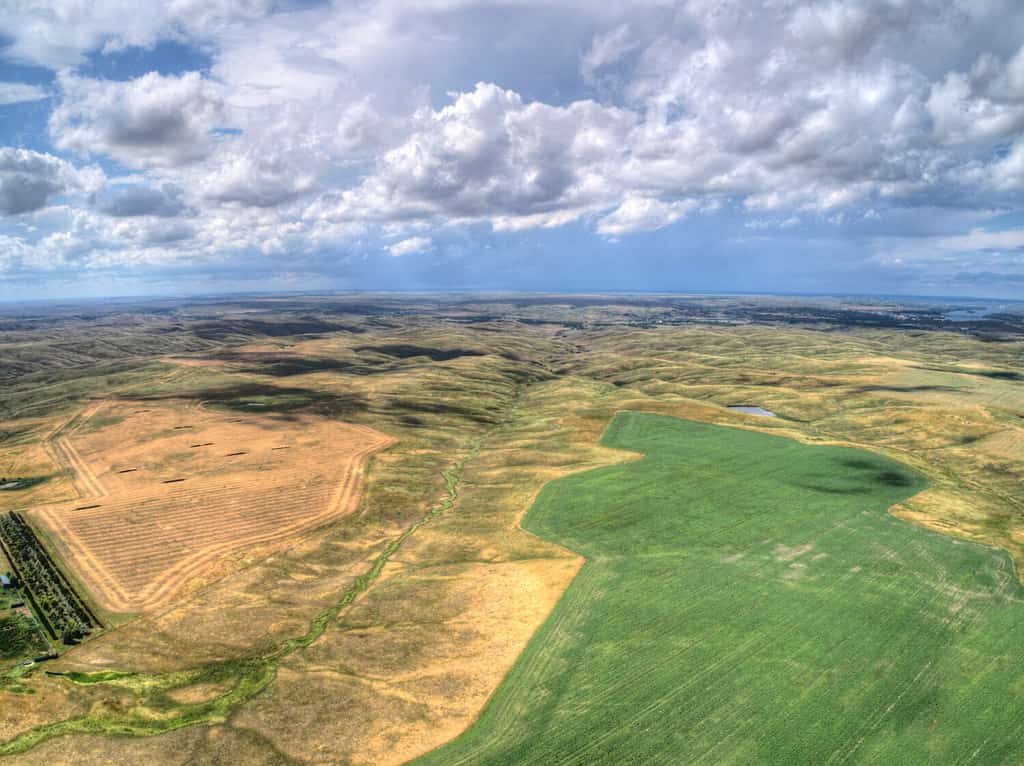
408	613
19	638
747	599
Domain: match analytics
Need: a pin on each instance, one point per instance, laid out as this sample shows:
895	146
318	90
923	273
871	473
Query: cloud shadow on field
286	365
261	398
408	351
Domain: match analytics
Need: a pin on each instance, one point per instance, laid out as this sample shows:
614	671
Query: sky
205	146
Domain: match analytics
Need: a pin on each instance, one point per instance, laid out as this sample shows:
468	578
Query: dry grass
162	502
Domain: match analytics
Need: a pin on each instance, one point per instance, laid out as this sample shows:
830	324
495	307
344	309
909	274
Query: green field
19	638
748	599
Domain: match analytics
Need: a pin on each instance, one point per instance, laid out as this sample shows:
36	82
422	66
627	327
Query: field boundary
65	456
117	596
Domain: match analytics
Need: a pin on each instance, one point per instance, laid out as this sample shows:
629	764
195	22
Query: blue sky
832	146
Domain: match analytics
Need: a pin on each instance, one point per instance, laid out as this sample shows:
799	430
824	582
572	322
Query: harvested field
85	482
171	520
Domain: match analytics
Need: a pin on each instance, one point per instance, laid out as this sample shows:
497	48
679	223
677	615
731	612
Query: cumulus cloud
259	180
356	119
410	245
134	200
60	33
269	164
19	92
715	112
165	232
29	179
1007	174
843	31
15	253
643	214
489	155
983	105
153	120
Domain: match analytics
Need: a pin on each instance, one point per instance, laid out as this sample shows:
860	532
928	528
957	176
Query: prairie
409	612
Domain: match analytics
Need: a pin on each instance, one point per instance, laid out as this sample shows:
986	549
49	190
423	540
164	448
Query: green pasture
19	638
748	599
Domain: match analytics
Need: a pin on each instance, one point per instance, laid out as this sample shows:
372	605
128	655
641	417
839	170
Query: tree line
61	610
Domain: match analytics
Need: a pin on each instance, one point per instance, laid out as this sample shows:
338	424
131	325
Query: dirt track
85	481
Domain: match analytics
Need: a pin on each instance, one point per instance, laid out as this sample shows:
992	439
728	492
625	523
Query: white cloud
410	245
165	232
133	200
773	223
59	33
980	239
643	214
15	253
982	104
646	110
489	155
19	92
961	114
992	259
29	179
1007	174
151	121
274	162
259	179
606	49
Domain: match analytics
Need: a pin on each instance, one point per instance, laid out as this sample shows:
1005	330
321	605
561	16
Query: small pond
752	410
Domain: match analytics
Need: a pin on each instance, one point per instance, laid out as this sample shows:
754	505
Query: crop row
199	504
134	548
185	529
61	610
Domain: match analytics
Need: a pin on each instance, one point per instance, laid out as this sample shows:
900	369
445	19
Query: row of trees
62	611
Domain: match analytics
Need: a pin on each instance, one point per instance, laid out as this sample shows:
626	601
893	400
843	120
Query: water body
752	410
967	315
979	312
